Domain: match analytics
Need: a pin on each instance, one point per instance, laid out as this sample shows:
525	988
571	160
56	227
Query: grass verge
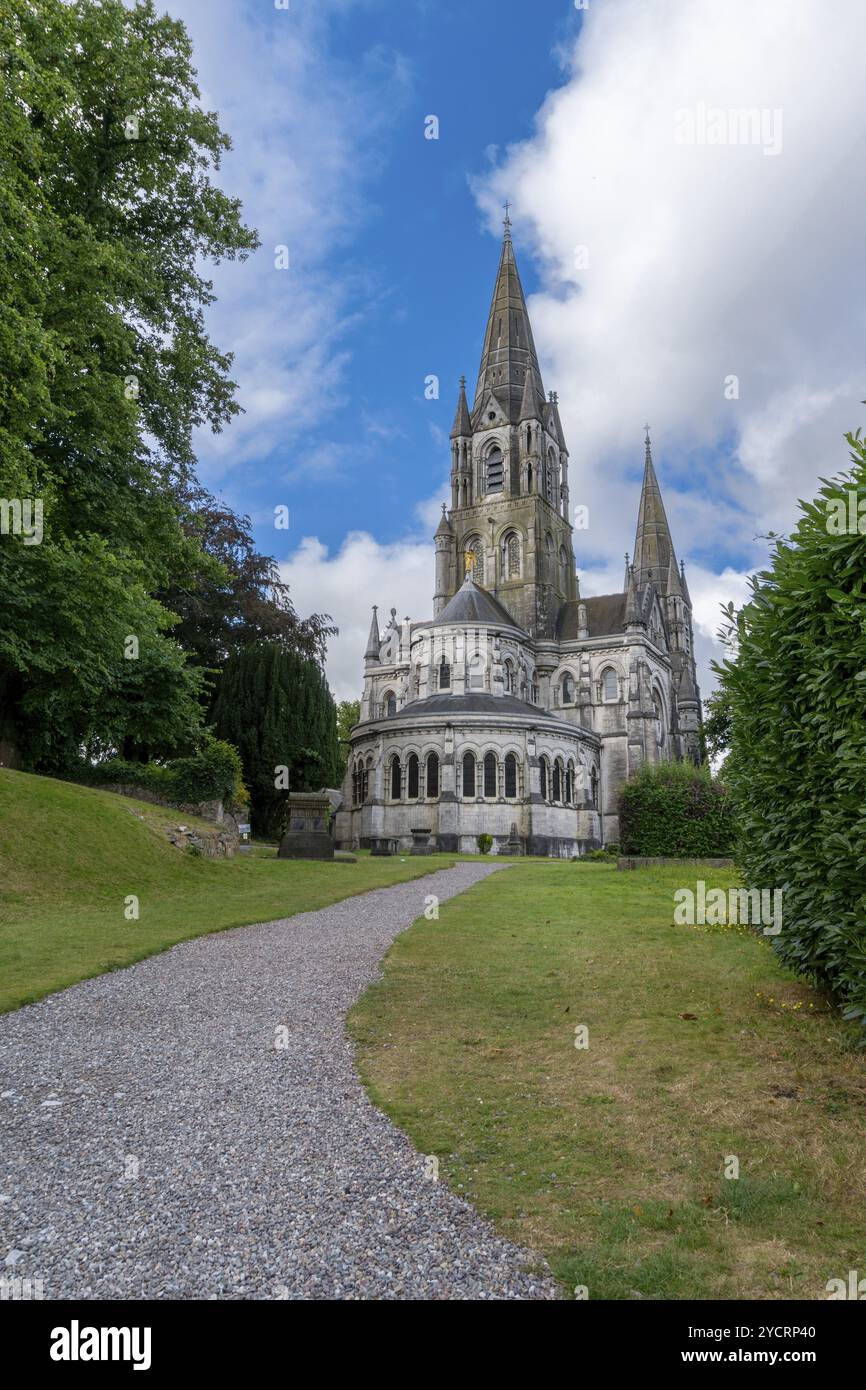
71	856
611	1160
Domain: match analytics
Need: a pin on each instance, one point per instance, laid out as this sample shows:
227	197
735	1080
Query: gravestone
307	834
421	841
512	844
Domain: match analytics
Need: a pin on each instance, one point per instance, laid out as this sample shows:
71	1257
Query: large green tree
110	213
795	685
274	705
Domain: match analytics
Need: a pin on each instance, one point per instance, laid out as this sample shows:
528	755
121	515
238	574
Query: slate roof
605	615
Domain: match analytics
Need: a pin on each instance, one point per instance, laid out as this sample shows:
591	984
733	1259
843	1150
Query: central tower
509	474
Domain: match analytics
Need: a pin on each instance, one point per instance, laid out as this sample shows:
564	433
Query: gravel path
162	1138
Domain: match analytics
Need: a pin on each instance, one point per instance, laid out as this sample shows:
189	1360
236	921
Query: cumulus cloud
347	582
306	132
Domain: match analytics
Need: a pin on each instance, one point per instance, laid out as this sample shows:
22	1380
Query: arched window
366	787
433	774
660	721
551	564
563	569
412	776
476	672
509	677
593	788
355	784
550	474
609	685
395	779
416	684
490	774
510	775
509	555
444	675
468	774
569	783
495	470
544	778
389	704
567	689
474	559
557	781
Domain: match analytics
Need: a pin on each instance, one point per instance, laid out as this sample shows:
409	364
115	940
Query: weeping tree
274	705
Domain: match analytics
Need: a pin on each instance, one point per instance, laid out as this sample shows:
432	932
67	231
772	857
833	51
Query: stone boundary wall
220	843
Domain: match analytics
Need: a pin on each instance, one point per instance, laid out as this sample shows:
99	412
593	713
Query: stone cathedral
520	707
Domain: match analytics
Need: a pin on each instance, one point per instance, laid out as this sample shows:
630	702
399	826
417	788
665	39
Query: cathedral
519	708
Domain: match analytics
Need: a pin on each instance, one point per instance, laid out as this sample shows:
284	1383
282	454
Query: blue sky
659	267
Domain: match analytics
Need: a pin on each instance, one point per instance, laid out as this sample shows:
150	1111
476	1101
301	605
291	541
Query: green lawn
70	856
610	1160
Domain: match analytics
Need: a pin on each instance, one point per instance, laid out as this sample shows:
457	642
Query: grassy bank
610	1160
70	856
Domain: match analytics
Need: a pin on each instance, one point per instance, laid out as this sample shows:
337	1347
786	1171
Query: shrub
675	809
796	685
485	843
212	774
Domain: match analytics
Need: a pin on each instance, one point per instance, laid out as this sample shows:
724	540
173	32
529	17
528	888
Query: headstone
307	834
381	845
512	844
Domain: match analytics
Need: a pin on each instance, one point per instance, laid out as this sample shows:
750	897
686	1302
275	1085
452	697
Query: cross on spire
506	221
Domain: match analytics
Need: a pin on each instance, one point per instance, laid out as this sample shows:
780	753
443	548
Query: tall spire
653	547
509	351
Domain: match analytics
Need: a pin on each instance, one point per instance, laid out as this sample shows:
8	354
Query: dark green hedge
796	685
675	809
212	774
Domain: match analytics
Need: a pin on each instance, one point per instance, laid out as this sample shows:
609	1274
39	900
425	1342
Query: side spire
653	547
373	641
462	426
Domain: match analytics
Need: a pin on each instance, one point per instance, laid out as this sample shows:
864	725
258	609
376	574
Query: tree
348	714
717	724
110	214
230	594
274	705
795	683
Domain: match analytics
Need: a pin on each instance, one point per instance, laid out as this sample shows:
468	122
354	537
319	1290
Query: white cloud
307	140
346	584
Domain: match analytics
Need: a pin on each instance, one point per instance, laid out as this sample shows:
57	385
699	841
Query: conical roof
472	605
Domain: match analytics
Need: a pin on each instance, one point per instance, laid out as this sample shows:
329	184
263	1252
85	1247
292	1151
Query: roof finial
506	221
648	449
463	383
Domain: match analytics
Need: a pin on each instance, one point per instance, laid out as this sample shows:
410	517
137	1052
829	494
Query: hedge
796	685
675	809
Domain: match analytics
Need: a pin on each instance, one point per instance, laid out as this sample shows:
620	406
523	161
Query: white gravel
155	1142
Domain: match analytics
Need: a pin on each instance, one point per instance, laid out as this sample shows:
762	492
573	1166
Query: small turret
461	452
444	543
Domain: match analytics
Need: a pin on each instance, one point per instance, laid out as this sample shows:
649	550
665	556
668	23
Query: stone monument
307	834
